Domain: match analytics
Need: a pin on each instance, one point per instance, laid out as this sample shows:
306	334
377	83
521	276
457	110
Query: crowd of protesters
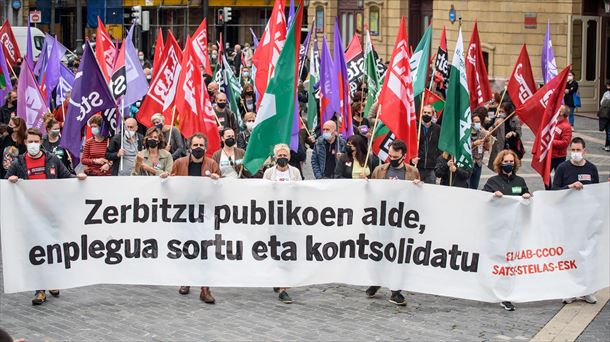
162	150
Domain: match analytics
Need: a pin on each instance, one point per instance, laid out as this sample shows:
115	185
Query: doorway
585	51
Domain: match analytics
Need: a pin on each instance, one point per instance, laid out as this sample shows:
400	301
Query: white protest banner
255	233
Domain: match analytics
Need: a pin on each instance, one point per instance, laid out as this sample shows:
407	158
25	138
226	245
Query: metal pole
52	28
79	23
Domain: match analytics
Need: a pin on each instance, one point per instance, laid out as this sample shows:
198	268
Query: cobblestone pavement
322	312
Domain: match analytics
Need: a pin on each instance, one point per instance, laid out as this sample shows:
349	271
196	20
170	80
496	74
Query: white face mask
575	156
33	149
129	134
249	125
570	78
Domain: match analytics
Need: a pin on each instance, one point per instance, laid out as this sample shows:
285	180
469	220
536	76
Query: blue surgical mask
95	131
327	135
477	126
246	74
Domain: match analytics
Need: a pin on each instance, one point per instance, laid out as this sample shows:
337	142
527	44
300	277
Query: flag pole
171	126
501	99
10	67
122	127
451	173
501	122
368	152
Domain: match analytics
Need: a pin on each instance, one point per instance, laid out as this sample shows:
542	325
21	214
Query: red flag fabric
396	101
269	47
543	143
476	73
354	48
521	84
200	46
193	102
104	50
118	79
432	99
161	85
9	43
158	53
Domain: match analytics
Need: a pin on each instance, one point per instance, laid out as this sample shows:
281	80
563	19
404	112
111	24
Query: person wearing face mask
568	98
15	135
229	158
143	61
38	164
213	91
562	135
576	173
94	150
507	135
361	124
328	148
153	160
246	77
395	169
247	101
226	117
506	182
176	145
125	147
244	136
9	154
50	143
196	164
148	74
10	108
428	152
282	172
351	163
480	142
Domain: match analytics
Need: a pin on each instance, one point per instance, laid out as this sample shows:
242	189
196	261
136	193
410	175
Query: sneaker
54	293
184	290
398	299
39	298
590	299
508	306
285	298
606	148
370	292
568	300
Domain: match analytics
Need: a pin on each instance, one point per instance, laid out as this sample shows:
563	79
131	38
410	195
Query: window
319	19
374	21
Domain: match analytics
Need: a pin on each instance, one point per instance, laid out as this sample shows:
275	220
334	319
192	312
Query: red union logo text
165	78
524	91
6	41
546	137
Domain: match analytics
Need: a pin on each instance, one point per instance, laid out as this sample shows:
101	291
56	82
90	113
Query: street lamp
360	4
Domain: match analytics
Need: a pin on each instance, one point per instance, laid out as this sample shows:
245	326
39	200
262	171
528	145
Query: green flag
420	61
233	89
314	76
455	130
370	71
275	116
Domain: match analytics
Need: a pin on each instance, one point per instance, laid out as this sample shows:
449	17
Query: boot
206	295
184	290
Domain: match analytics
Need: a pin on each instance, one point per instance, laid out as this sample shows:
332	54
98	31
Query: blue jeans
571	117
475	177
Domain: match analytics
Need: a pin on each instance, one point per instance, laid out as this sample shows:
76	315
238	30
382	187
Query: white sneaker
569	300
590	299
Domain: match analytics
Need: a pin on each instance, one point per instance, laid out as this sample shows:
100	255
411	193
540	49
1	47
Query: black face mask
230	142
349	149
221	105
152	143
198	152
508	168
426	118
282	162
249	93
10	129
395	162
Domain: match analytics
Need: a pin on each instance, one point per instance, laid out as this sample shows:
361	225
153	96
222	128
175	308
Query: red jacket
561	140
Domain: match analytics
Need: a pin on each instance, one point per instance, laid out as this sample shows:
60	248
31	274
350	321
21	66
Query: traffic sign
35	17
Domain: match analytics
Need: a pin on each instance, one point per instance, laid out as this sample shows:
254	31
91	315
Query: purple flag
47	46
29	55
90	95
291	13
549	67
340	72
64	85
5	79
254	40
53	70
329	96
137	86
31	106
305	47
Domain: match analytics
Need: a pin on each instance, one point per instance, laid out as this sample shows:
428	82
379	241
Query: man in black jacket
127	150
428	147
38	164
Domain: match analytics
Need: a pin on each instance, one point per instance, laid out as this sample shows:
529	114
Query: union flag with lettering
521	84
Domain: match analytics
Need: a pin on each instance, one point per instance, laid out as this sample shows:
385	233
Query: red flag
396	102
158	53
200	46
435	101
543	143
269	47
521	85
160	90
118	78
9	43
476	74
193	102
104	50
354	48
